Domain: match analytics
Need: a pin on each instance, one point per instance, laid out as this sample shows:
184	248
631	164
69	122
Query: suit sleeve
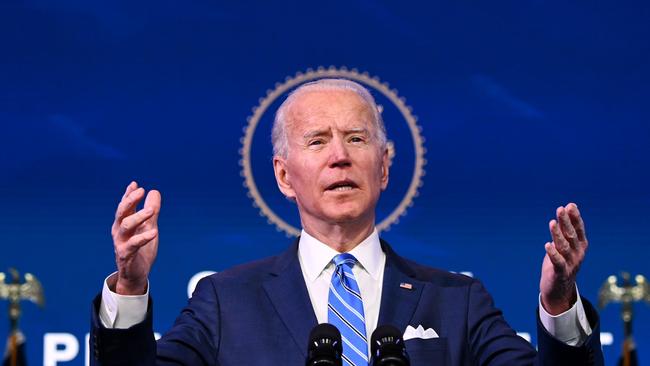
491	339
554	352
192	340
493	342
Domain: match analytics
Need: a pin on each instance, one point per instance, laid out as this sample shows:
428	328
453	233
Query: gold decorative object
15	292
627	295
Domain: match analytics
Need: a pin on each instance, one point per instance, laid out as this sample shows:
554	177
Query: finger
559	263
136	242
567	227
128	204
118	215
132	222
576	220
130	188
153	202
558	239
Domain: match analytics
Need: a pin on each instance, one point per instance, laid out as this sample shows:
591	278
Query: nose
339	154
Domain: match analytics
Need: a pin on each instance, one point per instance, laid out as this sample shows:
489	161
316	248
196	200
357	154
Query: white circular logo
404	186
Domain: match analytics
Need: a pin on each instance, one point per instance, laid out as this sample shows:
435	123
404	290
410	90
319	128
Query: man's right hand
135	239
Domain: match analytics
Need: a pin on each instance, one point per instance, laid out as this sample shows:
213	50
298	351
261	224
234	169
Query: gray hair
279	136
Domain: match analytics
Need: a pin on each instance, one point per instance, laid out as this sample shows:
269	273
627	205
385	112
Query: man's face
335	168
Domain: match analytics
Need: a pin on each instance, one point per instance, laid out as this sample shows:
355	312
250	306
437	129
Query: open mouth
342	186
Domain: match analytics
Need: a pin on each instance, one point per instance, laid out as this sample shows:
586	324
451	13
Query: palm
563	259
135	239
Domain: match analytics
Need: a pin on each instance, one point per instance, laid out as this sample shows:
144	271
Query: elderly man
331	159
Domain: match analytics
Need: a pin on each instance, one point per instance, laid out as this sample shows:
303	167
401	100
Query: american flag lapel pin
406	285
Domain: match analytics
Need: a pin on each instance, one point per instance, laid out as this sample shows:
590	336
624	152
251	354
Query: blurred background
523	105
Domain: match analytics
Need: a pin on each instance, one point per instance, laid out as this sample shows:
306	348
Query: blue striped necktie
345	311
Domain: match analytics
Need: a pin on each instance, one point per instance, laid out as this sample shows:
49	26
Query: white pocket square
419	332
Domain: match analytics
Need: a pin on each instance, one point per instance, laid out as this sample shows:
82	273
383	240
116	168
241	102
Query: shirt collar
316	255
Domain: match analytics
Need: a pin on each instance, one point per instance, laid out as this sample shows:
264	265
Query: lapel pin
405	285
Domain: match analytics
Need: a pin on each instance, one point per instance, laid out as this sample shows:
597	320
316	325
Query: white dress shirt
317	268
121	312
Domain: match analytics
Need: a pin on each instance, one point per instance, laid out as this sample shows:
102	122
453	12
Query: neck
342	237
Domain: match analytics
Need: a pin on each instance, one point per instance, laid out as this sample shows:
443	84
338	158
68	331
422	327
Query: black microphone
387	347
324	348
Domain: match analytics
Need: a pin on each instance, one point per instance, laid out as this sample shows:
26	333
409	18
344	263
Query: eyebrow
315	133
357	130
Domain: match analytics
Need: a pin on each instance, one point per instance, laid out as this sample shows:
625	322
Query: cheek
304	177
378	168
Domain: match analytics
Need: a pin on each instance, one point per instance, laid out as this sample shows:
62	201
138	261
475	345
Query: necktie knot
346	259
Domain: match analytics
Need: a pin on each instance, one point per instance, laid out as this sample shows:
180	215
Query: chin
341	215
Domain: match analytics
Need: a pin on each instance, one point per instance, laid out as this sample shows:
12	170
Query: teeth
343	188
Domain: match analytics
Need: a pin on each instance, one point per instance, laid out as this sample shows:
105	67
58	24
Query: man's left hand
562	260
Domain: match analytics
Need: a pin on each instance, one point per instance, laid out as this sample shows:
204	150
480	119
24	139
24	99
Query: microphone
387	347
324	348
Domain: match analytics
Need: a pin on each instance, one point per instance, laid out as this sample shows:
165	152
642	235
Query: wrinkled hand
563	259
135	239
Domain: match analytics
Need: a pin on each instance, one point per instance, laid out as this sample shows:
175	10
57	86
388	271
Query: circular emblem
257	150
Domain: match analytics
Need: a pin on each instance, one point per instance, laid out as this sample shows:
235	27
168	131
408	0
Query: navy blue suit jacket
260	314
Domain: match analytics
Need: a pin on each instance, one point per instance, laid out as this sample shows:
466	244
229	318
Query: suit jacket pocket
427	351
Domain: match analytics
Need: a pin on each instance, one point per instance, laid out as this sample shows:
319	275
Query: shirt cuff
570	327
121	311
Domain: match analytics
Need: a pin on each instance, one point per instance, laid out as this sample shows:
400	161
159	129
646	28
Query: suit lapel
287	291
400	292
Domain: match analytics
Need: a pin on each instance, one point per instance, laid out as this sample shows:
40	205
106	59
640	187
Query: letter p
59	347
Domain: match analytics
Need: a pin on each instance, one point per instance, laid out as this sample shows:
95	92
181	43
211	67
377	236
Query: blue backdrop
524	105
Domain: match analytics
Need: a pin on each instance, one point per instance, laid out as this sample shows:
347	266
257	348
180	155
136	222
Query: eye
315	142
357	139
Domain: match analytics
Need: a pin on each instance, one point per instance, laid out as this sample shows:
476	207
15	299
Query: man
331	159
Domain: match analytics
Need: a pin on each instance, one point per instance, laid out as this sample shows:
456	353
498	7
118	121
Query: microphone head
324	348
387	347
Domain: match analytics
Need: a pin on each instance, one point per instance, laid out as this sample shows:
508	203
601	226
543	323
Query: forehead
329	107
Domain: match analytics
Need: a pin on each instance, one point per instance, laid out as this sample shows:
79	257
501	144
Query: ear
385	163
282	177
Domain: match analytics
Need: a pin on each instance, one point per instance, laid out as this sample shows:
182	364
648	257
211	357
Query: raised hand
563	259
135	239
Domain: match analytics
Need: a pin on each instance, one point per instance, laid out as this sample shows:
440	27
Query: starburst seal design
332	72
